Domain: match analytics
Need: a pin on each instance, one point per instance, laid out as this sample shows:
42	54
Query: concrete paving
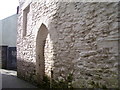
10	80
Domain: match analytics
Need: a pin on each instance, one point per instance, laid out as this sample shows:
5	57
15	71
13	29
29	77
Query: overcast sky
8	8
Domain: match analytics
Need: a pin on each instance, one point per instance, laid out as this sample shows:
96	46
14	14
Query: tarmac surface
10	80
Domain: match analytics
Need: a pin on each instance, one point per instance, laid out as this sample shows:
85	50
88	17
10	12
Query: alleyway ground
10	80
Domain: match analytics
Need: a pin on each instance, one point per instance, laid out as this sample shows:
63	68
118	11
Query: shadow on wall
27	71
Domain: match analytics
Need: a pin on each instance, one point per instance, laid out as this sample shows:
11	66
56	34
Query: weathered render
65	37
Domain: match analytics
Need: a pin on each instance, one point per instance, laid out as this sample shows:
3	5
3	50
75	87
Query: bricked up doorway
40	45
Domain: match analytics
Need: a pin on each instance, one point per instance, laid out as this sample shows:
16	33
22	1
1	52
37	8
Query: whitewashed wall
8	29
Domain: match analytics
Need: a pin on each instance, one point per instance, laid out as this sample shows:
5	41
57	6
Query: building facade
8	33
59	38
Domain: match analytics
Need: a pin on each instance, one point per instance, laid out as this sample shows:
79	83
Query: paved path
10	80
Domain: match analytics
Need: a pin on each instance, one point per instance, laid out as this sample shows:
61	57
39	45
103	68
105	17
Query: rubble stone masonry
65	37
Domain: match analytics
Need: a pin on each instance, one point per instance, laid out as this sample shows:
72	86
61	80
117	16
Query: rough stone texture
82	37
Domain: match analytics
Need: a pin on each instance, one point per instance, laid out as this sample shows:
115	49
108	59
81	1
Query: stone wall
82	38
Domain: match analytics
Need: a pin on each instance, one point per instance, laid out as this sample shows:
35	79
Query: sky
8	8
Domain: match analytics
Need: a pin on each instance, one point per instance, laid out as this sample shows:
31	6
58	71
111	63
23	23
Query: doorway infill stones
40	45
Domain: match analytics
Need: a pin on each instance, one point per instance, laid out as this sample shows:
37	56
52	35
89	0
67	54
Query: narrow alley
10	80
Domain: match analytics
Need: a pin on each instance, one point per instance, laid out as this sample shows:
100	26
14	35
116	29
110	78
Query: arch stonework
40	44
44	53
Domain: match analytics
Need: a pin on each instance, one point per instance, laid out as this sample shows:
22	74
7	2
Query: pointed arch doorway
40	45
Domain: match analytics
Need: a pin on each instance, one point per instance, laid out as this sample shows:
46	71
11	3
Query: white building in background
8	31
0	32
8	36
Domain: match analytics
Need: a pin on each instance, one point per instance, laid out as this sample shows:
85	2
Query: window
25	19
